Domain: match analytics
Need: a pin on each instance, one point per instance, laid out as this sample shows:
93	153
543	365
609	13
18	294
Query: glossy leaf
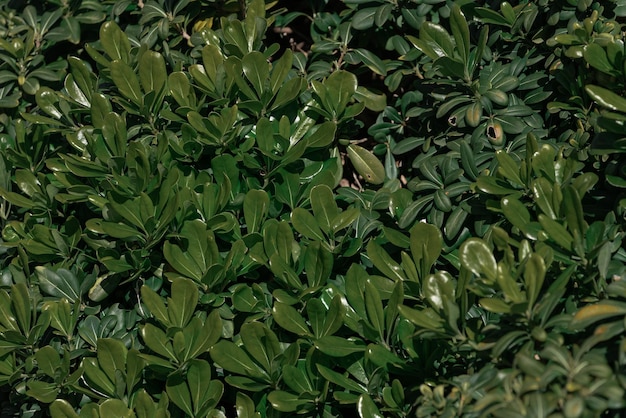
366	164
114	41
126	81
182	304
341	86
606	98
290	319
234	359
255	208
152	73
426	245
478	258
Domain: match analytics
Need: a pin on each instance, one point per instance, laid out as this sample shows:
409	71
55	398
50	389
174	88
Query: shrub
374	208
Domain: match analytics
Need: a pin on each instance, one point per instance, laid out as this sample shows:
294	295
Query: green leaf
364	18
157	341
46	99
97	378
460	31
178	392
261	343
383	357
126	81
383	262
182	305
516	213
543	195
256	69
374	308
591	314
534	275
339	347
288	92
280	70
111	354
179	88
340	379
322	136
290	319
573	210
367	408
144	406
371	61
286	401
508	167
100	107
305	223
596	56
424	318
48	360
61	408
557	232
345	219
255	207
296	379
478	258
366	164
438	39
495	305
606	98
374	102
42	391
232	358
438	289
426	246
318	264
152	72
340	87
205	393
245	407
114	41
493	185
20	299
324	207
155	305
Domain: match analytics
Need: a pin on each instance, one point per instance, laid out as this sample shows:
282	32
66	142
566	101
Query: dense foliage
402	208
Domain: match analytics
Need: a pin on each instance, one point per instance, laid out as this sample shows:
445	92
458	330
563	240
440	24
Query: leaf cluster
401	208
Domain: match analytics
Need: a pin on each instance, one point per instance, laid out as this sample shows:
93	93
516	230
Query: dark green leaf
255	207
152	73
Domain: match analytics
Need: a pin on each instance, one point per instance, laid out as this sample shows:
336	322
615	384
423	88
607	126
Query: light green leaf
256	69
111	354
366	164
478	258
126	81
114	41
606	98
61	408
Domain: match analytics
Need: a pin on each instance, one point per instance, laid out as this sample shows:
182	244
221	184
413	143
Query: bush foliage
399	208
